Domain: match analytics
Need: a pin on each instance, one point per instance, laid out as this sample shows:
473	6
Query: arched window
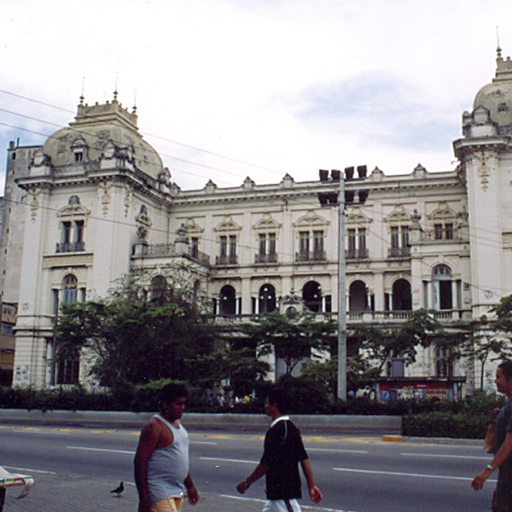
267	299
358	297
68	370
442	284
402	299
227	300
69	289
312	296
158	288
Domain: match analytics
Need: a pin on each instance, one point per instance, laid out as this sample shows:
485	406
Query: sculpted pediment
311	219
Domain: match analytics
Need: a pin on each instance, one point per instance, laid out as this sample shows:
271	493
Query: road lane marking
31	470
214	459
309	449
85	448
257	500
397	473
445	456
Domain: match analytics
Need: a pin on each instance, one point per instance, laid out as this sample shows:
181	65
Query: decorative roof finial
135	101
115	92
83	87
498	49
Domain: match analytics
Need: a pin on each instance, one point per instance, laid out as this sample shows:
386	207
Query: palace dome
98	126
496	97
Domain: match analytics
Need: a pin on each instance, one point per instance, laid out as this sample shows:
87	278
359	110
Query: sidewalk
63	493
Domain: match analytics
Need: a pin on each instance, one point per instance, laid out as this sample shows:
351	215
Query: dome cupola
102	131
494	100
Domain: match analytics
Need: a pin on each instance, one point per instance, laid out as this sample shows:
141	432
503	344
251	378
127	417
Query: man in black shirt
282	453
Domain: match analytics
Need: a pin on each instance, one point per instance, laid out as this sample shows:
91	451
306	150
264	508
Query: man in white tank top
161	461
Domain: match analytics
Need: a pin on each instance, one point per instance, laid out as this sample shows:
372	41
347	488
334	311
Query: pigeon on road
118	490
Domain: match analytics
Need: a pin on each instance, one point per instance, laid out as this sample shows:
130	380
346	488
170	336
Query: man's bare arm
503	453
193	496
260	470
148	441
314	491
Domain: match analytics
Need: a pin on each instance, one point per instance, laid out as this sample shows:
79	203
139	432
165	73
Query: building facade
95	203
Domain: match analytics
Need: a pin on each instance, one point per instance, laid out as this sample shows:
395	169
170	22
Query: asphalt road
360	474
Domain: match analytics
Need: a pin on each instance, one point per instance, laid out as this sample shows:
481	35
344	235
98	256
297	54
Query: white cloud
288	85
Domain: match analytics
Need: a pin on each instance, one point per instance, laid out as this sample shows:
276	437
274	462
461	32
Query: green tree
482	341
135	336
291	337
323	373
235	370
380	345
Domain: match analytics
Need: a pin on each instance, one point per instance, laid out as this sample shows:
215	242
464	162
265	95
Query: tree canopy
379	345
134	336
291	337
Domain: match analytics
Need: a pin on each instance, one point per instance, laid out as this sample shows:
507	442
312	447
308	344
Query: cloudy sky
232	88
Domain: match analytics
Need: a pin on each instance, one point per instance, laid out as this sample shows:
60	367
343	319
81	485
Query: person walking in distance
502	446
283	451
161	462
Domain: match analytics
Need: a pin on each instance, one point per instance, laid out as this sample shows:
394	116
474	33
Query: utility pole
339	198
342	307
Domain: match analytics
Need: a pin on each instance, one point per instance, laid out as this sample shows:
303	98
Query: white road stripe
27	470
99	450
334	451
213	459
318	509
397	473
446	456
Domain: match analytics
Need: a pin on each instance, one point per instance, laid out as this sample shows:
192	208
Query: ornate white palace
95	202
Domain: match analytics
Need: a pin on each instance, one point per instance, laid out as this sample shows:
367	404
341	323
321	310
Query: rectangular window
66	233
79	231
7	329
79	156
352	241
438	231
232	245
395	237
55	302
405	236
271	243
304	242
223	248
448	230
318	237
263	244
397	368
362	239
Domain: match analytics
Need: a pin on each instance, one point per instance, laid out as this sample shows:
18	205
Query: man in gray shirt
161	461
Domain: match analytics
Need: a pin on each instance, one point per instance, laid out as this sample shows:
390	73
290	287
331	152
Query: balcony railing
168	250
310	256
266	258
70	247
440	236
226	259
365	317
356	254
399	252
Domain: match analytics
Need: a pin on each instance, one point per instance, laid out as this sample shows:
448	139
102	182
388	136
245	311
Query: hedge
427	418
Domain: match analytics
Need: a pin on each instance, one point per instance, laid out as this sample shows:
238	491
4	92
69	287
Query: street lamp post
330	198
342	308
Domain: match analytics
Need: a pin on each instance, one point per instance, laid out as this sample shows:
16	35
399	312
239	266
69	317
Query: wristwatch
490	467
